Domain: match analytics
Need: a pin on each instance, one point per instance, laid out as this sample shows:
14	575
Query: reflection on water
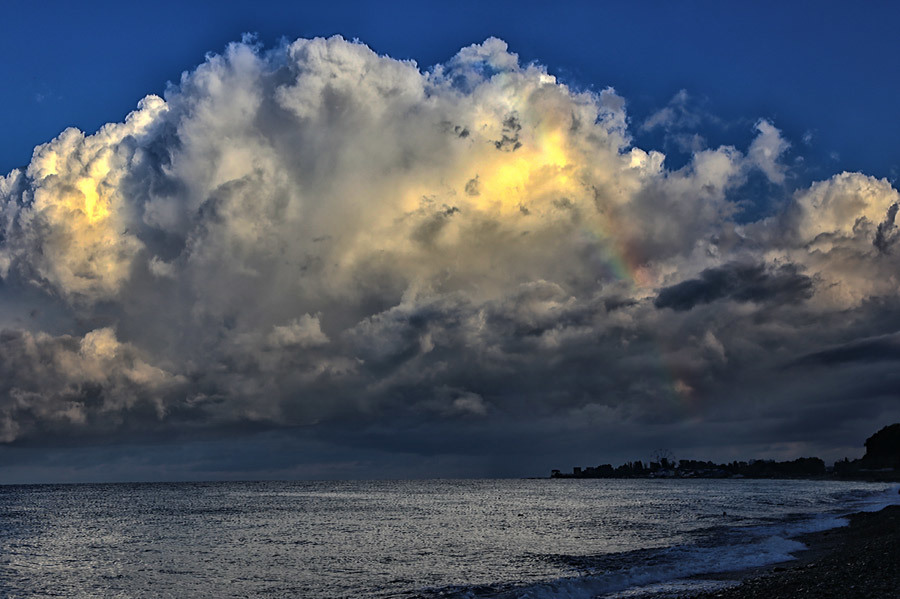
395	538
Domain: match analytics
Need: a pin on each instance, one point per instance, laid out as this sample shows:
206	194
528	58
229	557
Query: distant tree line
801	467
881	462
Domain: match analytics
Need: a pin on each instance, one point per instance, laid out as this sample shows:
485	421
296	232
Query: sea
424	539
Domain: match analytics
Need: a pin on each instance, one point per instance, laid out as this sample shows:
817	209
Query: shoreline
859	560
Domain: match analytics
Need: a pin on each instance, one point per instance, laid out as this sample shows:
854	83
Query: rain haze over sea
406	539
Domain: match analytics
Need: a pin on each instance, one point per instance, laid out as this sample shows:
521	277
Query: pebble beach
861	560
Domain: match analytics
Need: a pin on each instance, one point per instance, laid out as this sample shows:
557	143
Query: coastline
859	560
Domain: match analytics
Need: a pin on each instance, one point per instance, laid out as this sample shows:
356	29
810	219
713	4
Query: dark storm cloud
48	384
885	235
877	349
739	282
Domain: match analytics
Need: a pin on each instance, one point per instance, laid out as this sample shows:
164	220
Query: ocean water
407	539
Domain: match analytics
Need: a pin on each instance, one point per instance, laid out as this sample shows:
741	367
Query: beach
860	560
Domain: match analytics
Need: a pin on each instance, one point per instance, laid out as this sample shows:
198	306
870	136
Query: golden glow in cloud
515	180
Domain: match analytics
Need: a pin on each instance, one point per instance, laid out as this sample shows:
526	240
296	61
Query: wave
675	569
656	566
874	501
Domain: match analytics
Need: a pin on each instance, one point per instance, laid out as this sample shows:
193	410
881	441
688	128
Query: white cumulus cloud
317	234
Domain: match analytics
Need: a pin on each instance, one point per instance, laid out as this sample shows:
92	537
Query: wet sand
857	561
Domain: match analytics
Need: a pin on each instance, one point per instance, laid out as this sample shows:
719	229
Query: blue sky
566	235
825	68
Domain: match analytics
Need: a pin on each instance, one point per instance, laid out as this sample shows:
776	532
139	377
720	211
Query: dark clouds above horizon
471	265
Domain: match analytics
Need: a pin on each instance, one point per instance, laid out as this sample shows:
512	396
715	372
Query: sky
393	240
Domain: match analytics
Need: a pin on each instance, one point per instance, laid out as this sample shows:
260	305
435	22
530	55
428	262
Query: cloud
766	149
65	219
885	234
50	384
316	237
875	349
302	332
845	206
678	114
739	282
680	122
